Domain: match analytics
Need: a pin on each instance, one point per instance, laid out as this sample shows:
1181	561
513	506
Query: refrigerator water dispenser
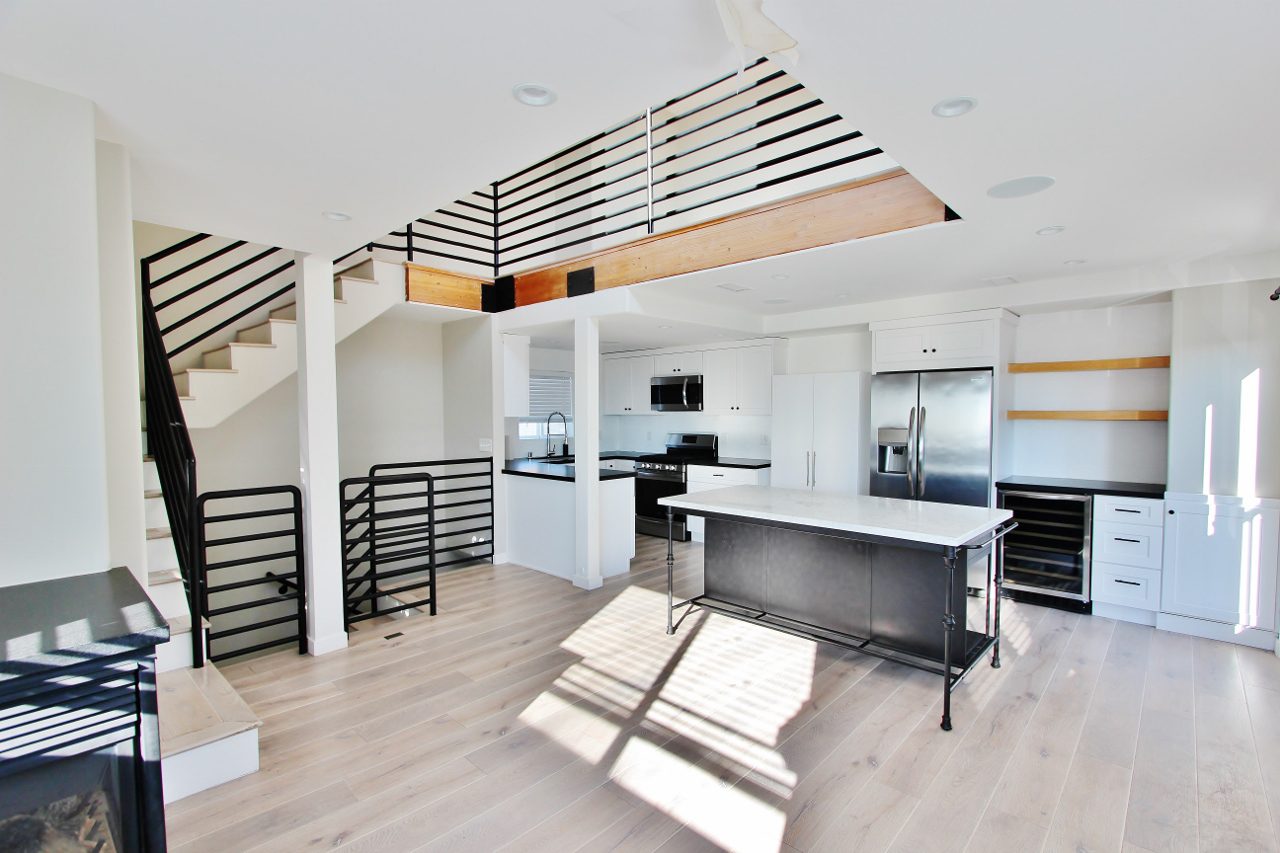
892	450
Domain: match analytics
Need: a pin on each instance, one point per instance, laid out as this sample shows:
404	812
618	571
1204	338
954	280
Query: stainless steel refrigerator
931	436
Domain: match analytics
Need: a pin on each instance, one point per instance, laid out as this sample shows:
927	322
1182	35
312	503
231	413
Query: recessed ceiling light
1050	230
533	94
1001	280
335	216
733	288
1019	187
780	277
1074	262
777	301
953	107
664	327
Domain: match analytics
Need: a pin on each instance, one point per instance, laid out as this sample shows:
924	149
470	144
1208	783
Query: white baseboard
1255	637
1121	613
204	767
582	582
324	645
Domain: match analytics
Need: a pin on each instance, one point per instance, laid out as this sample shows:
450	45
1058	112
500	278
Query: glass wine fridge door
1049	552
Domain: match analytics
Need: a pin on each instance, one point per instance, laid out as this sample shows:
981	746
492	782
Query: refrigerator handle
813	470
921	473
806	468
911	453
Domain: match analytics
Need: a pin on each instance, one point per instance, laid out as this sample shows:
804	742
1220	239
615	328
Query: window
549	391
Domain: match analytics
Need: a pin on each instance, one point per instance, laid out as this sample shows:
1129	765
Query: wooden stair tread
163	576
198	707
151	493
181	624
159	533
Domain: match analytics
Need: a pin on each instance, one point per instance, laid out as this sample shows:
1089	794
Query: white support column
586	432
318	449
122	391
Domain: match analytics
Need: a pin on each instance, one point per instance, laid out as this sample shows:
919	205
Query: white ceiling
1159	121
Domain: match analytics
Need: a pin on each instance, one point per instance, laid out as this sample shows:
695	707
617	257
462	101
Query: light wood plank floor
533	716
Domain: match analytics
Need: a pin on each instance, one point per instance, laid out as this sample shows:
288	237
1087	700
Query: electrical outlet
486	444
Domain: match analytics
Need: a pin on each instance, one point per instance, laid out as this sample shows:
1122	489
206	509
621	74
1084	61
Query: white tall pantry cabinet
820	432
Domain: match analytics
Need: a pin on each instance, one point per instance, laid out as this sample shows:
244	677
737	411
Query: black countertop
734	462
67	621
557	470
1084	487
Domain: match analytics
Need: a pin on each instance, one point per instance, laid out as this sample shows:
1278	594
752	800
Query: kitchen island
876	575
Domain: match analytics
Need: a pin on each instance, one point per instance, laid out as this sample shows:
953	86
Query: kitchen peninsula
542	532
876	575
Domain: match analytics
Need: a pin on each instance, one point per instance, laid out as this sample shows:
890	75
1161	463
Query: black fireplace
79	740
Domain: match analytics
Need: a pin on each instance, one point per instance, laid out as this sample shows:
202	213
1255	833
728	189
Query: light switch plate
486	444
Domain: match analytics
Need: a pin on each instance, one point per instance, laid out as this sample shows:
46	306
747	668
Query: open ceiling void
250	120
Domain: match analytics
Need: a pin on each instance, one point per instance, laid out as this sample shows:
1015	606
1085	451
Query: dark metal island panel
876	575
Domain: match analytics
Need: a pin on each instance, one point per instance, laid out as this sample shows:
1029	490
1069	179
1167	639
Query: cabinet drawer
1126	585
1128	510
723	476
1128	544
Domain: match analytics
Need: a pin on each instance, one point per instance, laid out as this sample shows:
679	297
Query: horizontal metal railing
742	140
406	521
234	569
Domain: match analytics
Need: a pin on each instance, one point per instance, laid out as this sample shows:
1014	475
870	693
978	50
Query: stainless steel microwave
676	393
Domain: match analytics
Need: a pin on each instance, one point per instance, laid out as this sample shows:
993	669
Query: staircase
226	332
261	355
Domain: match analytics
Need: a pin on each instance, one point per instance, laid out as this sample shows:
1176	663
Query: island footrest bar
976	644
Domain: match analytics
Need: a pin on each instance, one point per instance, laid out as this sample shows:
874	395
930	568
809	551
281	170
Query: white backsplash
740	435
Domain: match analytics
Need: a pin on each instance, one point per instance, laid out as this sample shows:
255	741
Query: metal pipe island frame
875	575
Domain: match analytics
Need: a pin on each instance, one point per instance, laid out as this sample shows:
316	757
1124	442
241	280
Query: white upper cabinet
624	385
677	364
615	386
942	345
738	381
640	374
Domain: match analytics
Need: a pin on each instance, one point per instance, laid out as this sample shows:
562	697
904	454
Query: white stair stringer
264	355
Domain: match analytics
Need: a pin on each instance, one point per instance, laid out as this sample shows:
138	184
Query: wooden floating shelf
1088	415
1090	364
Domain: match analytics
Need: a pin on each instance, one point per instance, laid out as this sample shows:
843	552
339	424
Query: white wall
53	507
390	386
740	435
835	353
469	378
1226	370
1102	450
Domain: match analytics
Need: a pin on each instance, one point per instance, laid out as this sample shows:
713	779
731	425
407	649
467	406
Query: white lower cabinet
1127	547
1220	565
703	478
618	464
1127	586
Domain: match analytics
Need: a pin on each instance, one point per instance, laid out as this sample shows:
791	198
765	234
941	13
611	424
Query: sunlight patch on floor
685	716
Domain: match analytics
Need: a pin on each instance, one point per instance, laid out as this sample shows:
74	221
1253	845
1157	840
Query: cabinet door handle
1134	511
1127	583
1126	539
813	468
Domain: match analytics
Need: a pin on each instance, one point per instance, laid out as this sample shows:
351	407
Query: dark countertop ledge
1084	487
555	470
56	623
735	462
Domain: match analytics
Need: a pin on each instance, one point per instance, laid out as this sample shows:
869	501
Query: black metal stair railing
406	521
189	304
235	568
747	138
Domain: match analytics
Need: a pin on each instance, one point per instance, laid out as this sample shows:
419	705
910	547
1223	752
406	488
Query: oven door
675	393
651	517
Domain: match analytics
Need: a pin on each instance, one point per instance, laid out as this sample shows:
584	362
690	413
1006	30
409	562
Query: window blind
550	391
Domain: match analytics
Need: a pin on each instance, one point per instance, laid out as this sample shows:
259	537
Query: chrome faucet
565	422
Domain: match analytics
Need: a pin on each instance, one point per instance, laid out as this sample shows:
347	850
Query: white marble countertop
917	521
